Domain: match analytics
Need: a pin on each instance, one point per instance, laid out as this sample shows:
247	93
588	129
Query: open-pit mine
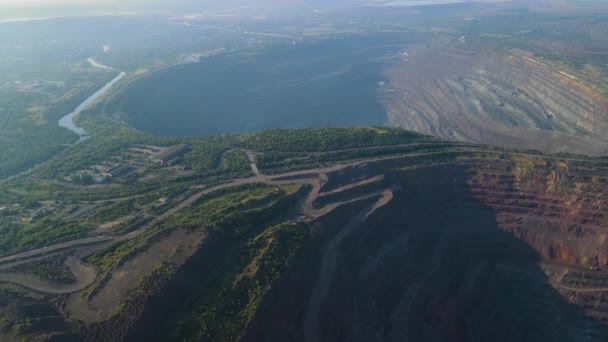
511	99
336	170
418	240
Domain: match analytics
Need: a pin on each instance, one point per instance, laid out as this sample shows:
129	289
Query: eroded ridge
399	247
458	251
516	99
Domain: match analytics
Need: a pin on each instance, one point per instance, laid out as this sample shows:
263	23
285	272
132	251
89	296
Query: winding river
68	120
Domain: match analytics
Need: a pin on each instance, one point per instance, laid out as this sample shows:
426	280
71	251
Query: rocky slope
483	250
515	99
420	241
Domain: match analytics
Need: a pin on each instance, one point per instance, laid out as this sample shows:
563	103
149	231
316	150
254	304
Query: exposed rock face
515	100
483	250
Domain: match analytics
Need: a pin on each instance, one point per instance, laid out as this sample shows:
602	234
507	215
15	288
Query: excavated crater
462	244
513	99
493	249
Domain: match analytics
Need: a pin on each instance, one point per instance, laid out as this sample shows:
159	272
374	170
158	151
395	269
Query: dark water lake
328	83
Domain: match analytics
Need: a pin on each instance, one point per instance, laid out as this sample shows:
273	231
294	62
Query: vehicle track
314	177
84	274
553	282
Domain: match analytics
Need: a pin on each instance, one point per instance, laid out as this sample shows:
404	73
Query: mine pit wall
550	206
152	323
281	315
556	207
517	99
454	257
517	213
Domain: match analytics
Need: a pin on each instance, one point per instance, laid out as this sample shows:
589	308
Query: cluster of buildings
165	157
17	212
95	176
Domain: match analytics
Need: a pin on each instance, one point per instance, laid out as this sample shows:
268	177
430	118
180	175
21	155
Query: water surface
68	120
328	83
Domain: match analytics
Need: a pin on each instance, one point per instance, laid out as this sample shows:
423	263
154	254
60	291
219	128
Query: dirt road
251	157
553	282
56	248
85	275
314	177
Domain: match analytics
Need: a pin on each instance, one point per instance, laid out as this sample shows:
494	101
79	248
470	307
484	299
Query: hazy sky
46	3
51	8
31	4
34	5
10	9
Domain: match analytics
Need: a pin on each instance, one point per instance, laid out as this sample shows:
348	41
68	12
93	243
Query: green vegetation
51	269
235	212
232	212
22	325
546	34
235	161
250	268
25	138
274	162
253	245
206	153
326	139
257	252
120	209
255	255
117	253
28	121
79	209
261	262
17	237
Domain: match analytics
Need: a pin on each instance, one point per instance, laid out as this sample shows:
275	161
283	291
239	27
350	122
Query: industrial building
170	155
117	171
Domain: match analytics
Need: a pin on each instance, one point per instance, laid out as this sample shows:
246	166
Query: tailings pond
329	83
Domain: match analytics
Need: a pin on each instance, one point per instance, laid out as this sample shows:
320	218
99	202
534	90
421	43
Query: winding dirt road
86	274
556	284
315	177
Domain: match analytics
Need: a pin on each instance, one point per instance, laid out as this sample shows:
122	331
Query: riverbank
67	121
